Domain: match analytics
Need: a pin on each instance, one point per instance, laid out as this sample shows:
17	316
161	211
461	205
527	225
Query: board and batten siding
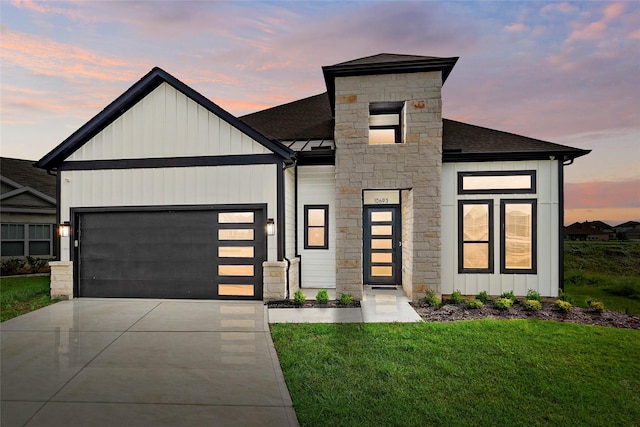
210	185
546	281
317	186
166	123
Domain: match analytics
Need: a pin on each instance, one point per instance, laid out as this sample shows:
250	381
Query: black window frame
461	241
534	237
380	108
530	190
325	227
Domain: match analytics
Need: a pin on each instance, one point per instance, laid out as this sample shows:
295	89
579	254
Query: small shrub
430	299
483	296
532	305
299	298
11	266
532	294
503	303
564	306
322	297
346	299
509	295
456	297
474	304
597	306
564	296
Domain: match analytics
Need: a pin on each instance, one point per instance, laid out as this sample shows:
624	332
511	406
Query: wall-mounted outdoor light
271	227
64	229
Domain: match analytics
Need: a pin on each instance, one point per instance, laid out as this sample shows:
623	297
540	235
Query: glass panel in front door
382	245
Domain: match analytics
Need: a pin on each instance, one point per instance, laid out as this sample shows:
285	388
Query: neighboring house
629	230
168	195
27	209
589	231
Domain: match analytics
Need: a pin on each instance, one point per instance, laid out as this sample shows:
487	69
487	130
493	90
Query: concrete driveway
142	362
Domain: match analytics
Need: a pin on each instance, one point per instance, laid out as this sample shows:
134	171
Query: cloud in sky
561	71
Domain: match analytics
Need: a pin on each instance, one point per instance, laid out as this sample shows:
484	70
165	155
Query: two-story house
165	194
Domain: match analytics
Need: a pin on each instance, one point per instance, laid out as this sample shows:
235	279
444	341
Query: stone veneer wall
61	279
406	201
274	275
416	164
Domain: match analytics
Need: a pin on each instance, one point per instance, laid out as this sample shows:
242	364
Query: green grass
20	295
604	271
488	372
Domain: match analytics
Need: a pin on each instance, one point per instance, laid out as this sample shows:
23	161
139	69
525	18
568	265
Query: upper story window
386	123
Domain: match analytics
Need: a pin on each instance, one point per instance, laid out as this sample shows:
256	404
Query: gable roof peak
386	58
140	89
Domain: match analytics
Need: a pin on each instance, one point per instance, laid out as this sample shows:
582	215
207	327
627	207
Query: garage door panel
171	254
173	288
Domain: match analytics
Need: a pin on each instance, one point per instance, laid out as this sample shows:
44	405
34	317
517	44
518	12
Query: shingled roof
22	172
310	118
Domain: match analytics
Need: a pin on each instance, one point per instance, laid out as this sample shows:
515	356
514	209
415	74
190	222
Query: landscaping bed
452	312
311	304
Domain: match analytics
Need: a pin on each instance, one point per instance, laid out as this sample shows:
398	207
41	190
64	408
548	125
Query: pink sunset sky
565	72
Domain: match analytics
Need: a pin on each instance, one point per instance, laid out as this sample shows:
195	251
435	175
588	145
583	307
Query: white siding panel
316	186
167	124
170	186
546	280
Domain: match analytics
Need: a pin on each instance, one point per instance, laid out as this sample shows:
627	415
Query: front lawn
603	271
487	372
20	295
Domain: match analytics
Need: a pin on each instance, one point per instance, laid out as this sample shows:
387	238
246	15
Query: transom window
497	182
316	227
385	123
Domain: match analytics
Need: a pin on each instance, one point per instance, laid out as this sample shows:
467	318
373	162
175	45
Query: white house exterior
166	195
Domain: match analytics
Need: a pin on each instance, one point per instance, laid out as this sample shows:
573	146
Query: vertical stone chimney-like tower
388	137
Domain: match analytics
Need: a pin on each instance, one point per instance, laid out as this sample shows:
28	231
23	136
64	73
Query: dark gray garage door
210	254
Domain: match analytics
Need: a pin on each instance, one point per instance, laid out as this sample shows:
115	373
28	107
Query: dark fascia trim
561	225
402	67
280	210
530	190
318	157
534	236
171	162
461	241
459	156
133	95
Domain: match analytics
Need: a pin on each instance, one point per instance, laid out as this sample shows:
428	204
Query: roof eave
458	156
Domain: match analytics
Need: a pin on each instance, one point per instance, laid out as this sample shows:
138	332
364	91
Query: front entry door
382	245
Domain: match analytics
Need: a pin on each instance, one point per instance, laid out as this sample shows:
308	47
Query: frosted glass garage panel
235	270
235	251
236	290
235	234
235	218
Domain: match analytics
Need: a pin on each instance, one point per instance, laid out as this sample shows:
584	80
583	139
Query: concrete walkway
377	306
142	362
